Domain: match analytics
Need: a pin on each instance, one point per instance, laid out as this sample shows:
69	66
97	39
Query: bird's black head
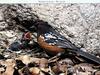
40	24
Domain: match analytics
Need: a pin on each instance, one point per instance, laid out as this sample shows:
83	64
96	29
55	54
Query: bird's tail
87	56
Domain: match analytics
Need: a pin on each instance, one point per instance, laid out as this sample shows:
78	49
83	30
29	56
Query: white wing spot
48	36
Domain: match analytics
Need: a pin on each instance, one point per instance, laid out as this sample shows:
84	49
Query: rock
59	68
43	63
1	50
19	64
97	73
20	14
83	73
26	71
16	72
2	67
3	25
9	54
10	63
84	69
9	34
66	61
1	56
15	46
27	59
35	71
6	38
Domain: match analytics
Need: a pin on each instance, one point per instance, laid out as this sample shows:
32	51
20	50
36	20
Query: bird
25	40
23	43
54	43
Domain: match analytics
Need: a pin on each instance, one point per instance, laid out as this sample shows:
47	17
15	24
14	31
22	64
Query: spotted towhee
54	43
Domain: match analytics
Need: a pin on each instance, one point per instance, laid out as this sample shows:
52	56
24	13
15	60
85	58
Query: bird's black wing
54	38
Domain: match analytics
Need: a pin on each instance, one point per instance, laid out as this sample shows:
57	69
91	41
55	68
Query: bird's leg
56	57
